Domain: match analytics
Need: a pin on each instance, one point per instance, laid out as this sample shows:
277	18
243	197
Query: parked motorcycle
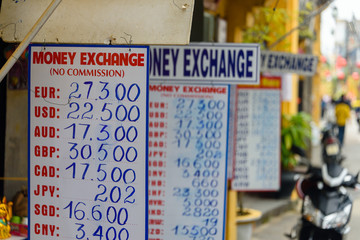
326	207
330	130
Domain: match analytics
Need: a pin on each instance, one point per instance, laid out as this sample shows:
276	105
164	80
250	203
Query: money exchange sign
88	142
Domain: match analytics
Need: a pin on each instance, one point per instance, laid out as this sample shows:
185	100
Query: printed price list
88	138
187	161
257	140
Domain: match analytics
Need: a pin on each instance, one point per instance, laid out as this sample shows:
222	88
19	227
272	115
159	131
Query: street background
276	227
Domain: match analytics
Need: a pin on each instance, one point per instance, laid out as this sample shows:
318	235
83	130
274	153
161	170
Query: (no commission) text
74	72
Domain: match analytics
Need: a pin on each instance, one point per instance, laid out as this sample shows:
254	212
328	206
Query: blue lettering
204	67
281	62
175	55
263	59
165	71
269	61
311	64
187	52
222	65
300	64
249	55
287	61
308	65
196	57
293	64
240	69
213	62
275	61
231	63
157	63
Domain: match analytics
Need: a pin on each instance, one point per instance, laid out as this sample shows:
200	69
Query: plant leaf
288	141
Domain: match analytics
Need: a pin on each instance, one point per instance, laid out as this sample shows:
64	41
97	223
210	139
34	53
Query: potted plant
295	133
295	136
246	218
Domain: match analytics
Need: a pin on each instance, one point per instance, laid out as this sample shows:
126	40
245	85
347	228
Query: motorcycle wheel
312	233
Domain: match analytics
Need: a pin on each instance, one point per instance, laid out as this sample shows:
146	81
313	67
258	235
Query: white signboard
100	22
188	132
257	158
206	63
282	62
88	142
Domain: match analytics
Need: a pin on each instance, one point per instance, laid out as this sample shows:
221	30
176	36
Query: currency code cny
88	149
187	161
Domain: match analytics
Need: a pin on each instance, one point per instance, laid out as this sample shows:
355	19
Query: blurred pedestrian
323	107
356	106
342	113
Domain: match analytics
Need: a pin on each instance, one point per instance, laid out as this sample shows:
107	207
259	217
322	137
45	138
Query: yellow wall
316	84
235	13
292	7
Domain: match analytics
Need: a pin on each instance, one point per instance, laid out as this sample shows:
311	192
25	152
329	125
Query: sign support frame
25	43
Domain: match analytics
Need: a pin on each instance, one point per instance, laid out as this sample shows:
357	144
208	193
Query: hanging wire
274	9
6	25
262	33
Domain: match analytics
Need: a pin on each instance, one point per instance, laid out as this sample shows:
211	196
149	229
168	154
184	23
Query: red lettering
141	60
44	229
44	151
112	59
98	56
45	112
91	59
38	57
155	231
156	221
156	202
44	171
42	190
83	58
60	58
45	210
44	92
44	131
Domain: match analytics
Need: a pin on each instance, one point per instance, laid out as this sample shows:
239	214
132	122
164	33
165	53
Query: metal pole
231	230
26	41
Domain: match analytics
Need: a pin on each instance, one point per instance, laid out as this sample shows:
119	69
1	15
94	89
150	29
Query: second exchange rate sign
188	127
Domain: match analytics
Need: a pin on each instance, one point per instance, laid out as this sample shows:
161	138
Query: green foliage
269	25
295	131
304	31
